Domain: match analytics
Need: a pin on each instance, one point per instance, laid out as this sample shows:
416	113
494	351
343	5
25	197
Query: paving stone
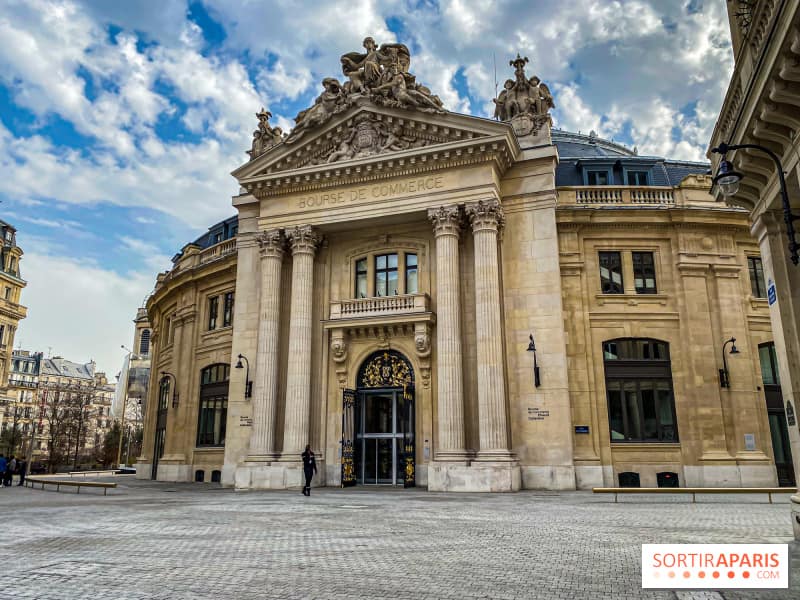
154	541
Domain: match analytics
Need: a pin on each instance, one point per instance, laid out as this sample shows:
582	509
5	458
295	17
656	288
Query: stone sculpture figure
525	103
379	75
266	136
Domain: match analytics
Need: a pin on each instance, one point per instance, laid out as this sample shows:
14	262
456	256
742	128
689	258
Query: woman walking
309	468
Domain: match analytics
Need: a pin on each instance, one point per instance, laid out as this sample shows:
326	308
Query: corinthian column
265	395
298	377
487	219
446	227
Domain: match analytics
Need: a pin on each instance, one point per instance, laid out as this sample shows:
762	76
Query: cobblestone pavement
189	541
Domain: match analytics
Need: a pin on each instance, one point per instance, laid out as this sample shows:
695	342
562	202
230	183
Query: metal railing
218	250
616	195
379	306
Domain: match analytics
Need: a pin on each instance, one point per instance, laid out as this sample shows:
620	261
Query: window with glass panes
213	308
227	310
597	178
637	177
213	412
361	278
610	272
163	393
644	272
386	275
756	268
641	404
412	274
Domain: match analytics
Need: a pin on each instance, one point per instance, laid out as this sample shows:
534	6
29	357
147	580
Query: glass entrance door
379	438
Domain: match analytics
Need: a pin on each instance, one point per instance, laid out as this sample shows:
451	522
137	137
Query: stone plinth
478	477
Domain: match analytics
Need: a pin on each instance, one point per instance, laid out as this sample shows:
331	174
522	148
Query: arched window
144	342
641	405
213	405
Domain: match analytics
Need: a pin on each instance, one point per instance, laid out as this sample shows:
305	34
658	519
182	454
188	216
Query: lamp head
531	345
734	349
727	178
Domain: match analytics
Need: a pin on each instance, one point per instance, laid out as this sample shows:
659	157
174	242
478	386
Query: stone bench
694	490
69	483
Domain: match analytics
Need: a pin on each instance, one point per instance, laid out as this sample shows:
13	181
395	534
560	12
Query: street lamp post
728	180
248	385
724	375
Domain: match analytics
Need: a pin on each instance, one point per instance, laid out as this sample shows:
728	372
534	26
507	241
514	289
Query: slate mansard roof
576	153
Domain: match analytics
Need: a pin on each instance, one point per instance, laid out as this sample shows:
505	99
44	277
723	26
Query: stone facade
11	311
762	108
490	253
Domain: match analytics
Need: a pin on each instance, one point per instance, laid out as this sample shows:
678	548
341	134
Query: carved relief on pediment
364	135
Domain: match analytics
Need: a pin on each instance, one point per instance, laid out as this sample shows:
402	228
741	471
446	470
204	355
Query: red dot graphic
746	574
686	574
731	574
715	574
701	574
672	574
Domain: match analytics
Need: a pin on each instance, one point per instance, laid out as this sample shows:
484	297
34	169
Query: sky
120	122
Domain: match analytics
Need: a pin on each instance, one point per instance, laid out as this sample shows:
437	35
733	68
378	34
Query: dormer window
637	178
598	178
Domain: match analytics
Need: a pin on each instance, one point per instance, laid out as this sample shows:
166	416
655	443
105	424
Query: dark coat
309	462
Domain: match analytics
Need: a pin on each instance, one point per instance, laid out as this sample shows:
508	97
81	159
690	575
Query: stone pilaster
446	222
304	241
487	219
265	393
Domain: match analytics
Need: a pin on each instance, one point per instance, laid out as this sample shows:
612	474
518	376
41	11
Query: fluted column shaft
486	218
298	377
450	388
265	394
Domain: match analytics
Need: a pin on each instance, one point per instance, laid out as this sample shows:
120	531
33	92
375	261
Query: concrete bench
694	490
70	483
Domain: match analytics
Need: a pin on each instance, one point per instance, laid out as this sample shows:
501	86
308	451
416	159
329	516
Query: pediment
366	137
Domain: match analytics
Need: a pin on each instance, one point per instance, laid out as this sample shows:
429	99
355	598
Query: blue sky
121	121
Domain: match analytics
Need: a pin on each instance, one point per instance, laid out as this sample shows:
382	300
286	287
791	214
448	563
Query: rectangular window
597	178
227	311
213	307
644	273
217	237
756	268
769	364
637	178
641	411
8	293
611	273
412	274
386	275
361	278
213	414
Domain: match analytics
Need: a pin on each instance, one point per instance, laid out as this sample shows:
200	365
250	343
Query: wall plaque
581	429
537	414
749	441
245	421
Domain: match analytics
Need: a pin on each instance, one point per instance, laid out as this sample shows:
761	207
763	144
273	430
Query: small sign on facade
771	294
537	414
749	441
581	429
245	421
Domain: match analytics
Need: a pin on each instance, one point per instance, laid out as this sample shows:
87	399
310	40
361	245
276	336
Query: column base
477	477
795	501
274	476
495	456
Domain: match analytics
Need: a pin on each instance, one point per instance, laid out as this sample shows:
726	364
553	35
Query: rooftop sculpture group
380	75
266	136
524	102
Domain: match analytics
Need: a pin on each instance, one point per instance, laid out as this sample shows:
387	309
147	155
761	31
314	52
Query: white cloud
83	311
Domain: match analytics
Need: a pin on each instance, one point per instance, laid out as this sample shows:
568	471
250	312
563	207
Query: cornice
497	149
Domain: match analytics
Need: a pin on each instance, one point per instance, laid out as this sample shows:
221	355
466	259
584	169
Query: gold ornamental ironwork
386	370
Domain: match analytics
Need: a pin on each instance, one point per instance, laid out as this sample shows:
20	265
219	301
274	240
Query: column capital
485	215
446	220
271	243
304	239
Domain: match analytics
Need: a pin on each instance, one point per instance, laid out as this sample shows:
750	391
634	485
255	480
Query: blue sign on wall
581	429
771	295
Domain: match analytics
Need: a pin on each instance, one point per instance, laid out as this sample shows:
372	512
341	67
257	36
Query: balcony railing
380	306
617	195
21	383
218	251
